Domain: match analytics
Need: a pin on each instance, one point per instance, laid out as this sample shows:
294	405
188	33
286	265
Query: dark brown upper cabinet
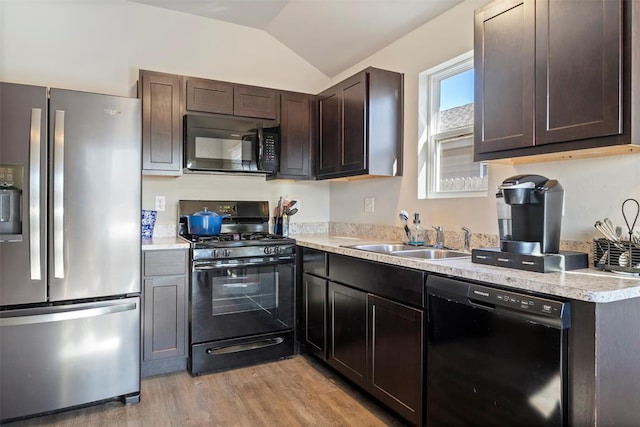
296	135
504	76
210	96
361	126
161	123
555	77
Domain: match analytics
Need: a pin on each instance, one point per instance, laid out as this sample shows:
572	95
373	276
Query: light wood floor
292	392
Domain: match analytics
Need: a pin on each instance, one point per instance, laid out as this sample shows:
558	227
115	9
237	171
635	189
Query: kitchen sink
431	253
399	249
381	247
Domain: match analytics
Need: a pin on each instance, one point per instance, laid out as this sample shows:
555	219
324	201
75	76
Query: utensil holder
607	255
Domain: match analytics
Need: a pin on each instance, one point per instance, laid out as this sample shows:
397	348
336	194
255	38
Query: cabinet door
314	296
161	123
330	132
348	332
396	356
250	101
578	69
295	135
353	146
165	321
209	96
504	75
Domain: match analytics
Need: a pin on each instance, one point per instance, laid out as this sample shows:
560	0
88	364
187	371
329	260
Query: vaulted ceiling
332	35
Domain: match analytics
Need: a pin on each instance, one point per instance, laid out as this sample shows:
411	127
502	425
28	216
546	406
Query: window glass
446	132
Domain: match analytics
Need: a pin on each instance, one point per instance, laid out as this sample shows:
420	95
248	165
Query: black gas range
244	231
241	288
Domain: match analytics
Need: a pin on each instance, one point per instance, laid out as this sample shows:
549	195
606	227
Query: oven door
237	298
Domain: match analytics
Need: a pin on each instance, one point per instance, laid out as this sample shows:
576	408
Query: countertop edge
590	284
164	243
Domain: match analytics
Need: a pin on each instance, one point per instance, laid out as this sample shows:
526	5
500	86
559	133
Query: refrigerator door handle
34	193
58	195
62	313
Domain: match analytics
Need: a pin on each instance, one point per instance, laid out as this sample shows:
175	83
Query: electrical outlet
369	204
161	203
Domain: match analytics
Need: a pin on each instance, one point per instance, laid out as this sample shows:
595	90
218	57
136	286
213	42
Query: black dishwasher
494	357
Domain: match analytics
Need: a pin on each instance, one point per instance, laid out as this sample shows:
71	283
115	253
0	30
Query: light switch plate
161	202
369	204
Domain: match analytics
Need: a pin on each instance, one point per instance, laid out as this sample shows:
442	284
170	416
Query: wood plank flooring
293	392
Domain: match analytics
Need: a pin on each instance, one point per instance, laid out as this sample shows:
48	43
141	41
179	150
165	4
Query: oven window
241	290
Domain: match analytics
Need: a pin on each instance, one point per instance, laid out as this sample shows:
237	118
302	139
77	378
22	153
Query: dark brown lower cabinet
377	343
348	331
366	320
314	310
395	356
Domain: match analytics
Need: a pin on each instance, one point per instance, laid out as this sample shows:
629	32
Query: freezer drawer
61	356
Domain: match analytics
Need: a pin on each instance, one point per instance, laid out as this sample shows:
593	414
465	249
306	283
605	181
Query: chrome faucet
467	239
439	236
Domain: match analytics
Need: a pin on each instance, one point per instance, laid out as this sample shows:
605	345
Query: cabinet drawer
396	283
161	263
314	262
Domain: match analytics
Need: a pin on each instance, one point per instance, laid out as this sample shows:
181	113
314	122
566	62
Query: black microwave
230	144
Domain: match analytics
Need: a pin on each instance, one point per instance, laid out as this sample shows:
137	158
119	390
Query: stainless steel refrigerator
70	196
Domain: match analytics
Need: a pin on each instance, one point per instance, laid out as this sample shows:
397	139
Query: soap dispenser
416	234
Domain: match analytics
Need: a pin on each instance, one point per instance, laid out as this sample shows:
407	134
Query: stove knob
276	249
268	250
214	253
226	252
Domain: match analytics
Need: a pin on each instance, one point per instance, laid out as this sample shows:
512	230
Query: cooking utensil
606	231
292	212
624	260
604	258
204	223
626	220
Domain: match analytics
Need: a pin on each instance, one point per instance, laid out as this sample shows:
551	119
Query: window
445	144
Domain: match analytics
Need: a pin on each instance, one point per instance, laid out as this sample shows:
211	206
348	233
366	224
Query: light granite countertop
587	284
164	243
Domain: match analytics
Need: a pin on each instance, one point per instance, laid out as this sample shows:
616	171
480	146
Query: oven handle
237	348
219	265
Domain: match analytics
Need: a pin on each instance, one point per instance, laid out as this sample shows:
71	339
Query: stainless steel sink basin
382	247
431	253
399	249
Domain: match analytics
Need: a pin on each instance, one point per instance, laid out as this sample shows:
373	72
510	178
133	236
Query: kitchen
131	36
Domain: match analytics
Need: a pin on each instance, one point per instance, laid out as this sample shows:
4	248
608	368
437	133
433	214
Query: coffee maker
530	209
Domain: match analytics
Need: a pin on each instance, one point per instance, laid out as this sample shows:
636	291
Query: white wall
99	46
594	188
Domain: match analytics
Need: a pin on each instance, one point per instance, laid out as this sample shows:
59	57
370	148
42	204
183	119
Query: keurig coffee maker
533	208
530	209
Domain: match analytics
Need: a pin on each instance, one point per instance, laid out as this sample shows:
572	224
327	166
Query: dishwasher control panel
516	301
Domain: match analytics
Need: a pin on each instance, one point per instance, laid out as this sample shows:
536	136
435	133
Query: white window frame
429	109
